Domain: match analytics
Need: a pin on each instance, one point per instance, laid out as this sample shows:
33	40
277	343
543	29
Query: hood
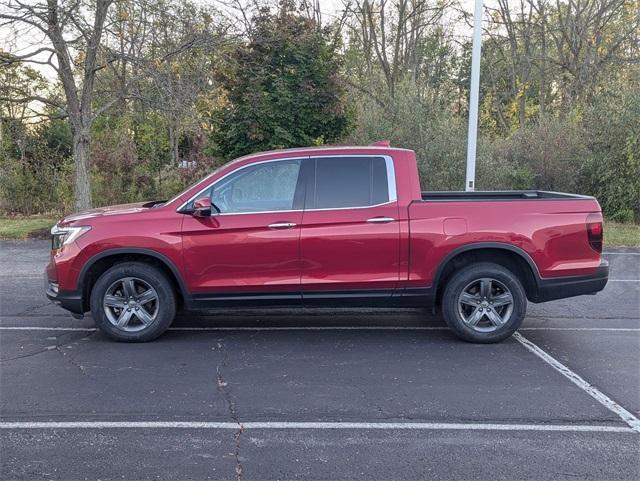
133	208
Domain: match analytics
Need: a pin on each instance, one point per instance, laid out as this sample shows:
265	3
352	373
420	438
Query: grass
615	234
621	235
26	227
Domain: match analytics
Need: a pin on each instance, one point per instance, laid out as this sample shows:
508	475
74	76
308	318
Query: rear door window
342	182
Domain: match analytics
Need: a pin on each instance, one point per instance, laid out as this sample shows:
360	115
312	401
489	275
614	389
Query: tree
179	65
513	45
589	36
34	143
73	35
397	38
544	52
17	81
612	171
283	87
108	52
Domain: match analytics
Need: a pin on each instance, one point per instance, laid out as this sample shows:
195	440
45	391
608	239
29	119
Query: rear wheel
484	303
133	302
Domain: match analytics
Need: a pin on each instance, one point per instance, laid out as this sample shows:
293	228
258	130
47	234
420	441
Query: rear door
349	242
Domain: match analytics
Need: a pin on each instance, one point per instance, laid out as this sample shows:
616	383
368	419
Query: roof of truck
322	148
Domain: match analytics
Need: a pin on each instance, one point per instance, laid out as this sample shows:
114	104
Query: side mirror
202	207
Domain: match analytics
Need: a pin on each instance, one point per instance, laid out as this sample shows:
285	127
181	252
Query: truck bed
499	195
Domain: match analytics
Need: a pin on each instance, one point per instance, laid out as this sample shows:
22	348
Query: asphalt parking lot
315	395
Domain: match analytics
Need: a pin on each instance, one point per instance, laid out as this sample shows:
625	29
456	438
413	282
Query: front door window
264	187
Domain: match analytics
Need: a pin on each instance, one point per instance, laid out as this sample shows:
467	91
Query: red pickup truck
328	226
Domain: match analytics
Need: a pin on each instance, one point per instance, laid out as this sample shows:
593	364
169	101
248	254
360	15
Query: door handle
380	220
282	225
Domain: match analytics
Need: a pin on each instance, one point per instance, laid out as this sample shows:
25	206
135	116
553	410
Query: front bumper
69	300
562	287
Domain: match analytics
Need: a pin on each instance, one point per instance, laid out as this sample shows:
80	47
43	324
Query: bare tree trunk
543	61
175	149
176	141
522	107
82	173
172	144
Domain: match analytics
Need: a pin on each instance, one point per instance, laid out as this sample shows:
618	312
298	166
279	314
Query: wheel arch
99	263
507	255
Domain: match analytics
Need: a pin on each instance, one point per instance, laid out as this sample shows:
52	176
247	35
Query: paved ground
329	394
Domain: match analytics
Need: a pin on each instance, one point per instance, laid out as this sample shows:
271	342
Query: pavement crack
223	387
32	308
55	347
30	354
71	359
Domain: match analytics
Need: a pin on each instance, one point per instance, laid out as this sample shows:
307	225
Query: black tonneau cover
500	195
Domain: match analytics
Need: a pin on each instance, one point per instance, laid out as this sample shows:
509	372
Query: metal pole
470	183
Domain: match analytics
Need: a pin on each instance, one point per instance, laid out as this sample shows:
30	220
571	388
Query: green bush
546	155
120	176
32	160
23	191
429	128
612	171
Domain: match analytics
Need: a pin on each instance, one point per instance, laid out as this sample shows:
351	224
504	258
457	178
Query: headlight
61	236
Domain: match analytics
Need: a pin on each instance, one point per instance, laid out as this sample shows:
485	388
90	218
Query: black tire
470	280
145	277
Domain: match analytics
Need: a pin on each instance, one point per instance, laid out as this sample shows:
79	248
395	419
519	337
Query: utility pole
470	183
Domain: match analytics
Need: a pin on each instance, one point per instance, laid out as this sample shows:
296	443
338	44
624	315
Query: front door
350	238
252	245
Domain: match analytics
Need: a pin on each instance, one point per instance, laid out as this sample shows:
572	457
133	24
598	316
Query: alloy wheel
131	304
485	304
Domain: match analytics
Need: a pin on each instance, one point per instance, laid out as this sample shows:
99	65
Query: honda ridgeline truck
328	226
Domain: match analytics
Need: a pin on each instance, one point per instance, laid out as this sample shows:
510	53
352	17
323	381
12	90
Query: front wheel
133	302
484	303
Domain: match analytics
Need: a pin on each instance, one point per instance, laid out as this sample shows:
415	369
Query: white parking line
312	425
18	276
614	329
594	392
45	328
321	328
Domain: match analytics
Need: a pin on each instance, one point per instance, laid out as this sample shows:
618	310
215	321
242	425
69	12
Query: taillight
595	231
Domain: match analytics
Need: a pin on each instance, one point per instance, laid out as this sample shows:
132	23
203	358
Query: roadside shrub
428	127
120	176
32	162
544	156
493	172
612	171
23	191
